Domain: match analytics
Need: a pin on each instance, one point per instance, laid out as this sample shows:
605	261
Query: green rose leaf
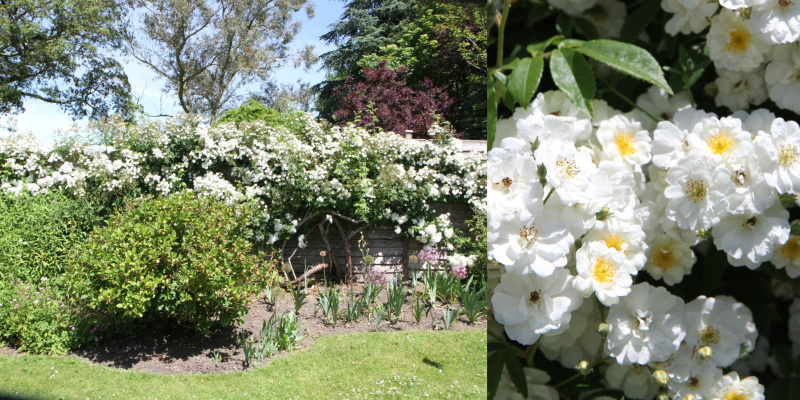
516	372
525	79
538	48
573	75
627	58
639	20
587	28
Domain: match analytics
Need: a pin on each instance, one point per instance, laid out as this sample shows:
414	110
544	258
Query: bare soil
188	353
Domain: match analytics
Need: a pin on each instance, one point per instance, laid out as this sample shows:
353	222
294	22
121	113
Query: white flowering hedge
299	177
643	226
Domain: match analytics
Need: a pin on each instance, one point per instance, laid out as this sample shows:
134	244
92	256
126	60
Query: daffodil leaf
525	79
626	58
573	75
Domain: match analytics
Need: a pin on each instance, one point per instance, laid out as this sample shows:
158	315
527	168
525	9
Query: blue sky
44	119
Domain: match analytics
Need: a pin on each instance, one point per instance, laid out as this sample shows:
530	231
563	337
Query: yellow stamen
735	394
787	155
739	40
695	190
791	249
528	234
663	258
710	335
603	270
624	142
570	168
720	143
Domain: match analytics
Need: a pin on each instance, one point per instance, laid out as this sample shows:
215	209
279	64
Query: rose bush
642	243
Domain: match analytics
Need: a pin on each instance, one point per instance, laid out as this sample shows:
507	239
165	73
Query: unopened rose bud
660	377
535	144
745	13
704	233
603	329
583	368
541	171
603	214
413	258
663	396
711	89
787	200
689	397
705	352
795	228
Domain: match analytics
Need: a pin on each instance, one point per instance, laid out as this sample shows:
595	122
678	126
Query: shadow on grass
6	396
169	347
432	363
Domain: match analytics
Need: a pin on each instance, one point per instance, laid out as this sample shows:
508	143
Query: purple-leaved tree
384	101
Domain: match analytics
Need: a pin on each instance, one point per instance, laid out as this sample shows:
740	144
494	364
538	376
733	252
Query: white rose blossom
530	305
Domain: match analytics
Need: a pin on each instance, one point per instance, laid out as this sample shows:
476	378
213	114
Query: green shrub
41	318
180	258
255	111
38	232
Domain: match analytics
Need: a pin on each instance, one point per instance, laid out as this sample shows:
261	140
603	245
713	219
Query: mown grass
412	365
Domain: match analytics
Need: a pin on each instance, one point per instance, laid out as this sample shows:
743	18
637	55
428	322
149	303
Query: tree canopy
58	52
441	42
207	50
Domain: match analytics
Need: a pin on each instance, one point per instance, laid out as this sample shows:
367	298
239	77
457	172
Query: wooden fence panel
389	250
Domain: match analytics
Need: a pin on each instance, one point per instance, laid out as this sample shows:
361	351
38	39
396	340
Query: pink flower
460	271
428	254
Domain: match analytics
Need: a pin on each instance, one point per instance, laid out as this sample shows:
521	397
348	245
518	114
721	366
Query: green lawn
413	365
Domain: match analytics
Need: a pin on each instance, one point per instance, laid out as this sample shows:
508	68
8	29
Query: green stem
627	100
532	351
599	354
501	34
548	196
602	308
500	43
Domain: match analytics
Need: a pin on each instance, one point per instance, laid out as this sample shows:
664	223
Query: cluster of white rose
578	207
289	173
432	233
753	43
